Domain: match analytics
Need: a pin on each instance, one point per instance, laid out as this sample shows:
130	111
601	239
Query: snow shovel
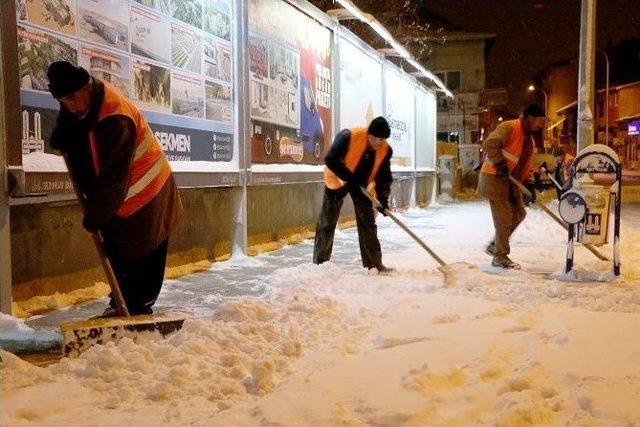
79	336
377	204
557	219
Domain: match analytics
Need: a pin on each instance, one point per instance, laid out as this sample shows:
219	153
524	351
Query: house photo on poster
56	15
217	59
290	83
400	110
360	86
105	22
150	35
110	66
36	51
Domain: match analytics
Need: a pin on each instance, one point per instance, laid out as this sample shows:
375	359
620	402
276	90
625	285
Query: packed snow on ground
16	335
333	345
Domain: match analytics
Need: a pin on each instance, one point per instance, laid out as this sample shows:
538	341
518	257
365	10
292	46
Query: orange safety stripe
149	168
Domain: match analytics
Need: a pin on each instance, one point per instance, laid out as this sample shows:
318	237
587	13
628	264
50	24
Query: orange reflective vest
511	152
358	143
149	169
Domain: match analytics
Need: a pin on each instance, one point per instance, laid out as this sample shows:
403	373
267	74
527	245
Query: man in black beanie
125	180
359	157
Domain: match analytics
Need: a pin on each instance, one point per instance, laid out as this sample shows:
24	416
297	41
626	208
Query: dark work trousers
140	279
367	230
507	215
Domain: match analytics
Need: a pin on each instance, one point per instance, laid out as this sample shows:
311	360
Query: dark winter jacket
133	236
335	161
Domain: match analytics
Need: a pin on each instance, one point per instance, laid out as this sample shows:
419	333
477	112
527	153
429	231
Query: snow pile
42	303
16	336
245	350
43	162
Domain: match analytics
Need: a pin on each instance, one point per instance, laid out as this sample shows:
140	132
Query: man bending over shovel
127	187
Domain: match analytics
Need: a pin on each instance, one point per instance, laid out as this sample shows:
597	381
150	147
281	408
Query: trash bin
446	174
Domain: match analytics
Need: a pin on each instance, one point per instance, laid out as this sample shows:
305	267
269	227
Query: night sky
534	33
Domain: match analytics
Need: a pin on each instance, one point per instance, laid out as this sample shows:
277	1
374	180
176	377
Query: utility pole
5	232
586	74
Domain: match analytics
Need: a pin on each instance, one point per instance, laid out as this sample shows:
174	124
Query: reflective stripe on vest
511	151
358	143
149	169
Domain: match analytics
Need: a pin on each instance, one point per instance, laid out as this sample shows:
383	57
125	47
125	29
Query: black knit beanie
379	127
65	78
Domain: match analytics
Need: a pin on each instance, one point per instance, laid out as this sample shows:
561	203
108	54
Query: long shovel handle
556	183
121	305
555	217
377	204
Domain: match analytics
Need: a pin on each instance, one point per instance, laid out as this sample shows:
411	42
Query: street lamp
531	88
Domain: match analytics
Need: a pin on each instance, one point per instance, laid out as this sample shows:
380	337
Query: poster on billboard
217	59
399	111
187	11
187	95
425	130
36	51
111	66
172	58
151	86
360	86
186	48
217	18
290	85
55	15
150	35
105	22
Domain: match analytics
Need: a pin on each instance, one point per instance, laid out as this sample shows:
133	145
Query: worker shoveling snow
331	345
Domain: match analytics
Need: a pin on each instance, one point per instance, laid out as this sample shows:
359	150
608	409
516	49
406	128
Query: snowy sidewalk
276	340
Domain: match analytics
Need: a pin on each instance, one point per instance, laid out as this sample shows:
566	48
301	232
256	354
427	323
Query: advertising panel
172	58
290	85
360	86
425	130
105	22
399	110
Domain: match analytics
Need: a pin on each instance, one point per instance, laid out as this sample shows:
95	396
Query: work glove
544	166
384	205
502	169
537	182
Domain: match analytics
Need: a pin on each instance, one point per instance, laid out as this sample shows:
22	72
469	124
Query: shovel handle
377	204
121	305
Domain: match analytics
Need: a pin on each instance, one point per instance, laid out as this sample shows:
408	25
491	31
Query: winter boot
110	311
503	261
383	269
490	249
